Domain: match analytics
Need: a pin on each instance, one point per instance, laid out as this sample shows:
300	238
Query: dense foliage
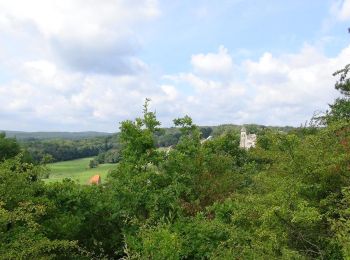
65	149
288	198
8	147
27	136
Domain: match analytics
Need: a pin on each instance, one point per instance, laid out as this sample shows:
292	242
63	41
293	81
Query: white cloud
81	101
78	19
89	36
344	10
283	89
170	91
74	65
213	63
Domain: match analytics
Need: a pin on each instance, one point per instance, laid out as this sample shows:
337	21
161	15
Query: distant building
207	139
96	179
168	149
247	141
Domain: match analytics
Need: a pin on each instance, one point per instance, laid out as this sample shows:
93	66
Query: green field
77	170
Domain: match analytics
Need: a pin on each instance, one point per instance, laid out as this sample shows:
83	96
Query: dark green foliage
85	214
343	84
8	147
340	110
110	156
227	145
93	163
107	149
63	150
168	137
27	136
206	131
22	209
341	225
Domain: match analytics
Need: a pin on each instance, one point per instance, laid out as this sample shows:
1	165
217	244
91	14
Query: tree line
106	149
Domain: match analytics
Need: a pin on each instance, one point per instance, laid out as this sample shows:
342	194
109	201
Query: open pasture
77	170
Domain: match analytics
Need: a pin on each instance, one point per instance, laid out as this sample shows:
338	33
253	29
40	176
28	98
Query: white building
247	141
207	139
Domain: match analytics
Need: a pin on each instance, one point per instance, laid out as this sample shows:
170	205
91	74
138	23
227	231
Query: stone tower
247	141
243	140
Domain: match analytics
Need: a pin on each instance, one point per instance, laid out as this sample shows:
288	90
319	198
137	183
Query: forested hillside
62	149
20	135
288	198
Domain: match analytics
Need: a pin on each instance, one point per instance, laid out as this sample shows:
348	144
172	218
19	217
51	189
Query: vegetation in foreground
77	170
288	198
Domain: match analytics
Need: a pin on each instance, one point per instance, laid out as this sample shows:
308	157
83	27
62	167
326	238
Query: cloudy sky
73	65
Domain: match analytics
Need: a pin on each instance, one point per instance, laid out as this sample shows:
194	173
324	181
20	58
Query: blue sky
87	65
243	27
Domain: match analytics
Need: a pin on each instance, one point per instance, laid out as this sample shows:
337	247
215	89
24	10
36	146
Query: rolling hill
21	135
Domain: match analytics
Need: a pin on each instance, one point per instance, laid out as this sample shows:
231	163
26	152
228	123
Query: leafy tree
22	237
343	84
137	138
341	225
190	136
93	163
86	214
8	147
340	109
22	209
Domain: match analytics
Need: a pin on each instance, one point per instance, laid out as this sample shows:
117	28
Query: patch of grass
77	170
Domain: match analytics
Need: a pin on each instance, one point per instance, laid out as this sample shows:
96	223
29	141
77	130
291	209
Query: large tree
8	147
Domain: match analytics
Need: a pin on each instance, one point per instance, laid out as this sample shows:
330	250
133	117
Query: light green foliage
19	181
155	243
288	208
341	226
22	237
137	181
138	139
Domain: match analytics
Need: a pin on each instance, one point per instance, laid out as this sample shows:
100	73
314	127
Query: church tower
243	140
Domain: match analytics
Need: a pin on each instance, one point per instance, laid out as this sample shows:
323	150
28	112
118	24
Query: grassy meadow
77	170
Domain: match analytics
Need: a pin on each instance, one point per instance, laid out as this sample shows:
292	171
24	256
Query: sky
78	65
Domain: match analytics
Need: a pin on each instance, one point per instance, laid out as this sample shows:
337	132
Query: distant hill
20	135
214	130
63	146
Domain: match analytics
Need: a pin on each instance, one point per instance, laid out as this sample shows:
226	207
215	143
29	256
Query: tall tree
8	147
